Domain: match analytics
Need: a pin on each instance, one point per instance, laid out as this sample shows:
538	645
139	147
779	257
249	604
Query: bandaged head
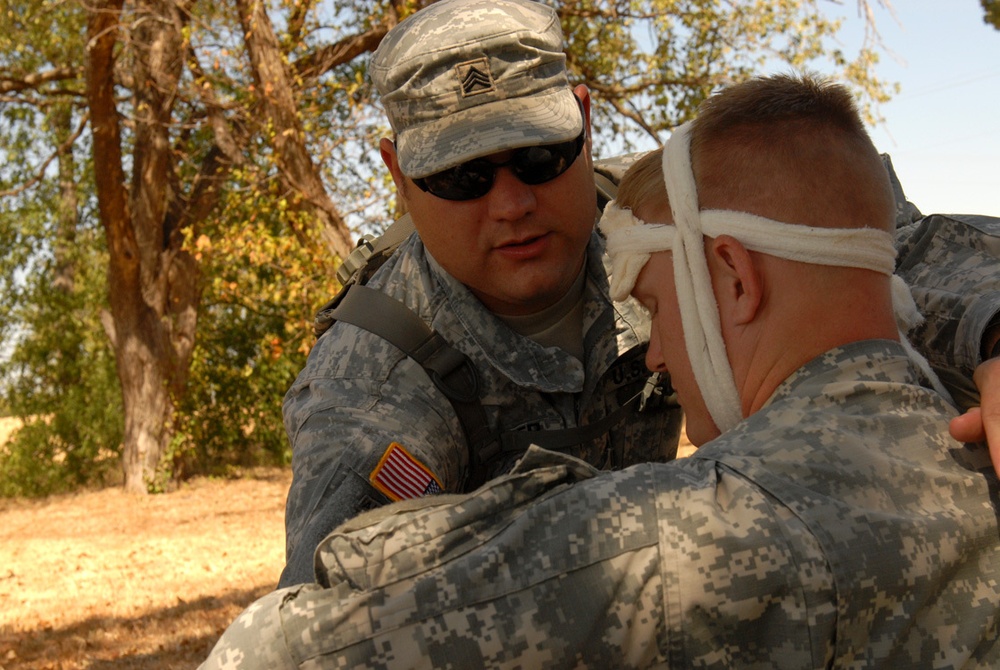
630	242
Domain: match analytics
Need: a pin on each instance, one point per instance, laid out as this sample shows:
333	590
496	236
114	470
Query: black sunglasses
532	165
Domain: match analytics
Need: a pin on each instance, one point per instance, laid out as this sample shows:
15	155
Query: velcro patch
401	476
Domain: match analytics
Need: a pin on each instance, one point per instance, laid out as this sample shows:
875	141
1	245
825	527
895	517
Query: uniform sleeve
950	264
356	398
527	571
738	565
255	640
549	565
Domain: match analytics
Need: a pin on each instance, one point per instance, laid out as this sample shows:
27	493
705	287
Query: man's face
518	248
656	290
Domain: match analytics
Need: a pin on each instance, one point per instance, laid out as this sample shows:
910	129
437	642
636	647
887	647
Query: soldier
828	520
492	156
505	279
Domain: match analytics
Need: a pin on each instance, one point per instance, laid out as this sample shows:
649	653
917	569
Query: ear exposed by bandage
631	241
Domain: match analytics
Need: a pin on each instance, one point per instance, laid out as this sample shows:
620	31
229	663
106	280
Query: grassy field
102	579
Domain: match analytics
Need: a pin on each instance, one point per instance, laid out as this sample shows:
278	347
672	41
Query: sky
942	129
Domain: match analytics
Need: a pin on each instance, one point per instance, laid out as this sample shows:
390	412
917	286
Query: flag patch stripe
401	476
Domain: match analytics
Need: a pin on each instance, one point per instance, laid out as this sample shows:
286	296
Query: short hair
794	148
643	183
770	100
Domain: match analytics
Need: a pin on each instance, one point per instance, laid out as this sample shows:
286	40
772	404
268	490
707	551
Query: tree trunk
297	171
152	282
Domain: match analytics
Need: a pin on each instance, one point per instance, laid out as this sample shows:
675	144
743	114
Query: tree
230	151
991	12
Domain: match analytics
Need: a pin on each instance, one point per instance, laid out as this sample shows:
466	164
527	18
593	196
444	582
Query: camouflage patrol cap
467	78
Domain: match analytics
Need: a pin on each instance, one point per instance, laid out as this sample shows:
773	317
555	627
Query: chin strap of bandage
631	242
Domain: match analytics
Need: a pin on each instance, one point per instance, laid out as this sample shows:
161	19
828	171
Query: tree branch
38	79
60	150
338	53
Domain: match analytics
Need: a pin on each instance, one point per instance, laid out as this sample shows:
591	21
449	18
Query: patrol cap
467	78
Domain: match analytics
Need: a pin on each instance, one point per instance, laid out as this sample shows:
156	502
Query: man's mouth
521	242
525	248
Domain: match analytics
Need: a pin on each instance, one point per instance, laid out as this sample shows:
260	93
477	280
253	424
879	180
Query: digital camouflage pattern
462	79
949	261
358	394
837	525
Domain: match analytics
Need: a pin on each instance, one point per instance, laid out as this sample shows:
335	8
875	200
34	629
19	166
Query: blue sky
943	128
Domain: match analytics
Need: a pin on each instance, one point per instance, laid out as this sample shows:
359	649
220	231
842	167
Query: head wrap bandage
631	242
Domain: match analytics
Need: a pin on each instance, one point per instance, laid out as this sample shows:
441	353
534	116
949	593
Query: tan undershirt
560	325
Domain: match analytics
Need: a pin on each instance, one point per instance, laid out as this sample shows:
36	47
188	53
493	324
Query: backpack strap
372	251
368	256
451	371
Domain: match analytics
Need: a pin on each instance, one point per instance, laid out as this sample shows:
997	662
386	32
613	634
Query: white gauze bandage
632	241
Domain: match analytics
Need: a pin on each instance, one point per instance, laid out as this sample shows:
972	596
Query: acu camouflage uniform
358	395
949	262
839	526
460	79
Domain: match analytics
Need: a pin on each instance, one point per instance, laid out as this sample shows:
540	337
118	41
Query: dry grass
103	579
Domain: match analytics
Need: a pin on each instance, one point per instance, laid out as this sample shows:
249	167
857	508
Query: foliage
991	12
58	372
61	380
239	213
650	63
254	335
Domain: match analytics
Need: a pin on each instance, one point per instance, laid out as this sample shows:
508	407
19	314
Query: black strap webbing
566	438
450	370
453	373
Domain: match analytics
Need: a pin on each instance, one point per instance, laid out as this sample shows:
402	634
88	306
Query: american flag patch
400	476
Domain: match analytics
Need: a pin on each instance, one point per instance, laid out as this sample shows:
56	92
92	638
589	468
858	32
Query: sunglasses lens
474	179
462	182
537	165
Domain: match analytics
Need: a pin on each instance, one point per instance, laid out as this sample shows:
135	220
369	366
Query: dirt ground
104	579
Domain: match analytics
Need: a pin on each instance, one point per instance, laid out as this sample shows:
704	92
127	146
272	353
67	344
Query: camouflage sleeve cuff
991	338
256	639
976	339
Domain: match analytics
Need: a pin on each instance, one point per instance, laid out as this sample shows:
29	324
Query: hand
983	422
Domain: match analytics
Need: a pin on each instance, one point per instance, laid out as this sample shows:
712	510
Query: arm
950	264
928	260
255	640
534	569
356	397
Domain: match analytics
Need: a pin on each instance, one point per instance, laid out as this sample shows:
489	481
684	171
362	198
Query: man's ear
387	148
737	279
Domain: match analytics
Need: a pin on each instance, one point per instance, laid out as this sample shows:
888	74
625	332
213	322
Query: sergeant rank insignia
475	77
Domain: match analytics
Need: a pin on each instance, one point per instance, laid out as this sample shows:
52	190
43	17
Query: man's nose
510	198
654	357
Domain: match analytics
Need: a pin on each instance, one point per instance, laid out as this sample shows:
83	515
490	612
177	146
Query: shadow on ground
179	636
